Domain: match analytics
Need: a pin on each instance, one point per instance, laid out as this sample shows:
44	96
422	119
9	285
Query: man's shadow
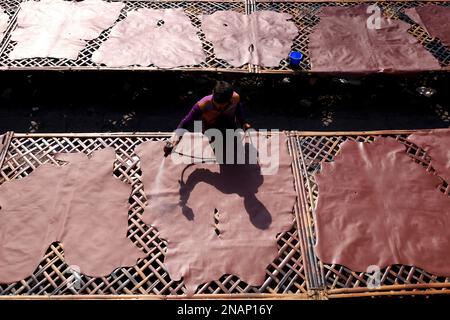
241	179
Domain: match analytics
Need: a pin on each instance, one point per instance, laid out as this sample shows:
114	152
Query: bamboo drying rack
297	273
339	281
304	15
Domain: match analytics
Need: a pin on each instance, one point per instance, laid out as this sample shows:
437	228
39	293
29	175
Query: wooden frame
339	281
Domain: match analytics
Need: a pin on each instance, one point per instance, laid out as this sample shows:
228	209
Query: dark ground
155	101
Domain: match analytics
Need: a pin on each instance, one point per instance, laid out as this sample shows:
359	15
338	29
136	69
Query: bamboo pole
11	26
95	135
389	293
4	151
159	134
101	68
259	296
354	133
442	285
300	226
307	192
313	276
165	134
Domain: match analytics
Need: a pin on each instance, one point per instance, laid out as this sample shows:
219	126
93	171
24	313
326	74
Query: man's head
222	93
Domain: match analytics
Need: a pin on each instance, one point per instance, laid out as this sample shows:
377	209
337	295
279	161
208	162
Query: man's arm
189	119
194	114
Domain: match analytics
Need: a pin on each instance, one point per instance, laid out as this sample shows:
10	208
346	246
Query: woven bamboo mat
305	16
340	281
285	276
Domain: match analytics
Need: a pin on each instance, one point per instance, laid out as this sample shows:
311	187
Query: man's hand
246	126
175	140
170	145
168	148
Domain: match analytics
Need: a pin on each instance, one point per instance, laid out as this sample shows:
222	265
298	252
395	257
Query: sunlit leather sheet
165	38
80	204
435	19
252	209
262	38
376	206
343	42
60	29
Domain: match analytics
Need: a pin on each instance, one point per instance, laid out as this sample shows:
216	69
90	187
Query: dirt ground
155	101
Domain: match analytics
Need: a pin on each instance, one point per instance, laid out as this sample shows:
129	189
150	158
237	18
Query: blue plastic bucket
295	58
